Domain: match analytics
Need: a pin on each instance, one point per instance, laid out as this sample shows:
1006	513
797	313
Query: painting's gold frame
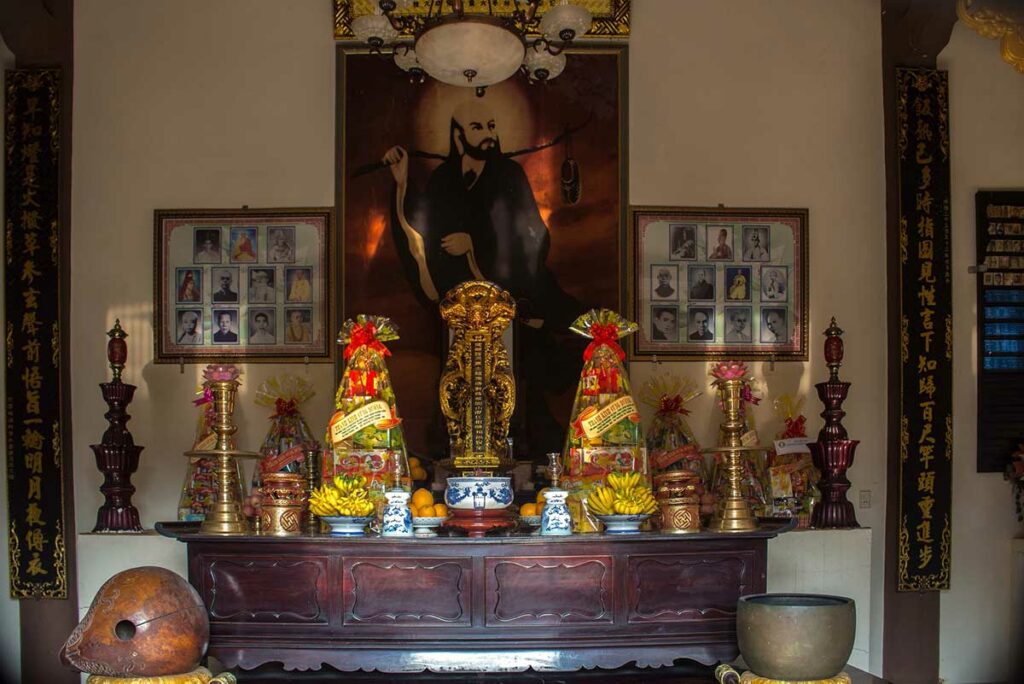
611	17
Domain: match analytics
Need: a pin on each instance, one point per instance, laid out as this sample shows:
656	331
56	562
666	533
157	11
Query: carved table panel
494	604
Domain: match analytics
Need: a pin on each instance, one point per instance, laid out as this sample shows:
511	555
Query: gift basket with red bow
793	476
289	436
604	431
365	433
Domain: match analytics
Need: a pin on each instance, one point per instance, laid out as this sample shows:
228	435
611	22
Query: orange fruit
425	512
422	497
528	509
540	496
440	510
414	462
419	473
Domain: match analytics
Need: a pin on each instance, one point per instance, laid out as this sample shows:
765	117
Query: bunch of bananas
624	495
346	495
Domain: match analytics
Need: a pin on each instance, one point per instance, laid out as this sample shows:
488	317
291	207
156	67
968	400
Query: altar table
474	605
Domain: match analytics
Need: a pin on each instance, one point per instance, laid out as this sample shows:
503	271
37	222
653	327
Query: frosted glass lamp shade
565	22
541	65
405	58
374	29
470	52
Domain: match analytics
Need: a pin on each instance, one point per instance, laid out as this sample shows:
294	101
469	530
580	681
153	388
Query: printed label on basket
793	445
344	427
749	438
279	462
599	423
206	443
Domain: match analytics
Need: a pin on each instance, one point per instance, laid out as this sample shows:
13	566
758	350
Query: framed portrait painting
522	185
718	283
228	281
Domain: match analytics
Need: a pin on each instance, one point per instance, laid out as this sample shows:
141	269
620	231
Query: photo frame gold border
611	17
698	355
327	305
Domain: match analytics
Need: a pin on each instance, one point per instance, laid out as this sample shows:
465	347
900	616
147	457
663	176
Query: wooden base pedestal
477	523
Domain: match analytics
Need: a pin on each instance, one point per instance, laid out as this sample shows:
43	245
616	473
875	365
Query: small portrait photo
737	283
225	326
281	245
774	326
262	326
243	244
738	326
299	284
774	283
701	282
206	246
298	326
190	326
225	284
664	323
190	285
682	241
701	324
755	243
719	242
261	285
665	282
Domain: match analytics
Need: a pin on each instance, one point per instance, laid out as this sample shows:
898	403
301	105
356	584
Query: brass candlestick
733	512
225	515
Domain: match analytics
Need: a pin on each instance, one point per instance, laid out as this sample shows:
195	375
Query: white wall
182	104
759	103
10	613
986	119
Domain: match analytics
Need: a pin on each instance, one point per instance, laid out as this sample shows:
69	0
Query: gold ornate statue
478	392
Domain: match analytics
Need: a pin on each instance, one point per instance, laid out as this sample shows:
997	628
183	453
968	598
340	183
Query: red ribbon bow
795	427
673	404
284	407
606	335
365	336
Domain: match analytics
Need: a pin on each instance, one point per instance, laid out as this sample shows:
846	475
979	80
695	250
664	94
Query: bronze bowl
796	637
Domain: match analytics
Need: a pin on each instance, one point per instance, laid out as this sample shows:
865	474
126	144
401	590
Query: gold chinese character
926	178
35	566
30	295
35	487
926	434
926	386
926	273
34	461
926	339
926	227
32	378
924	532
925	557
925	249
32	439
31	244
29	323
30	152
31	349
926	319
924	202
926	295
34	514
34	540
925	505
29	271
30	220
923	130
925	364
926	481
32	402
926	454
927	408
28	196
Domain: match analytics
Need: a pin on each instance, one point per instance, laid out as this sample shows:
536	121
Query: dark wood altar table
504	604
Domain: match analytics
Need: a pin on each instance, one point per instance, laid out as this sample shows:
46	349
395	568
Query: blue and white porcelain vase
555	521
397	518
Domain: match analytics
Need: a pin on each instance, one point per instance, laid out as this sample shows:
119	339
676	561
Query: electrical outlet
865	498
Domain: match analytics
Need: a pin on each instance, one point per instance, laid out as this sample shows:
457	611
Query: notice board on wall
1000	244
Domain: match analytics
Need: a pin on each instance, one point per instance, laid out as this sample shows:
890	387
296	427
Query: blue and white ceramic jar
397	518
488	493
555	521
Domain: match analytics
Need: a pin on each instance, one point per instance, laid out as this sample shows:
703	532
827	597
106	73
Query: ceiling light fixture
474	49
